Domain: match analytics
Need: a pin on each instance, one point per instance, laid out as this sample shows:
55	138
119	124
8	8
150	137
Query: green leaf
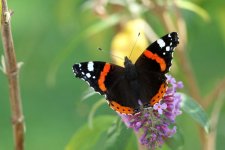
194	8
176	142
88	93
132	142
93	110
190	106
118	136
102	25
86	138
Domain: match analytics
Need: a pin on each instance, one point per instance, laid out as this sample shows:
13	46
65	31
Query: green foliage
176	142
118	136
107	133
191	107
194	8
93	111
86	138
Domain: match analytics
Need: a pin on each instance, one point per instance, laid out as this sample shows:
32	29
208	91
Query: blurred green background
48	36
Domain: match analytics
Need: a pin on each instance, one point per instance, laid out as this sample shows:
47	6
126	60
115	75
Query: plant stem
12	74
184	60
215	93
214	118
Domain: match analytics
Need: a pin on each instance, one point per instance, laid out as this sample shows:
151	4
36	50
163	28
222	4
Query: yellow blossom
124	41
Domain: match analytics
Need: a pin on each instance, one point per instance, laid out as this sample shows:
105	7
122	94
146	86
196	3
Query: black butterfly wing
109	80
158	56
90	72
152	66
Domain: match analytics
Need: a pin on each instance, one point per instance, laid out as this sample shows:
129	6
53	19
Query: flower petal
160	111
155	107
164	106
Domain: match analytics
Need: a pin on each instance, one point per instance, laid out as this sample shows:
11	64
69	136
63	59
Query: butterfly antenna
134	44
118	57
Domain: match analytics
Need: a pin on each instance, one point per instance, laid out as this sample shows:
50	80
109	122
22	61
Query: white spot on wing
167	48
88	75
79	65
161	43
90	66
73	71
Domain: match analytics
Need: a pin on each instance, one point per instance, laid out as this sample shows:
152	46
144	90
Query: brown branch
190	77
184	60
214	118
12	74
217	90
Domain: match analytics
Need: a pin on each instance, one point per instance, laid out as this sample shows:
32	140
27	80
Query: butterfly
142	82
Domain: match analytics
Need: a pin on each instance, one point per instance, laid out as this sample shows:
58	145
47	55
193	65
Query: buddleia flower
157	123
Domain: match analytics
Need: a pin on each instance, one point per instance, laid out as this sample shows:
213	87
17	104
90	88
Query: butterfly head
130	71
127	62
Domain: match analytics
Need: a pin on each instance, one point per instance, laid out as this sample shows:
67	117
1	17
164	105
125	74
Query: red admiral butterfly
144	81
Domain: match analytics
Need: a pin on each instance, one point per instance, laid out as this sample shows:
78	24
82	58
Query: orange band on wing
159	95
121	109
102	76
157	58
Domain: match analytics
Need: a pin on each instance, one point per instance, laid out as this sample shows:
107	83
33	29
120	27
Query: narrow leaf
194	8
102	25
190	106
176	142
93	110
88	93
86	138
118	136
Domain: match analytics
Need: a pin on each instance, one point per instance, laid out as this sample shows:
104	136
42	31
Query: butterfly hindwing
153	88
119	94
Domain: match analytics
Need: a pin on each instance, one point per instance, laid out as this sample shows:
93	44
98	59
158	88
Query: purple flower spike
157	124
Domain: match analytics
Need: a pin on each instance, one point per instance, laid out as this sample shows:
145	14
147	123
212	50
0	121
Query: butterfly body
141	82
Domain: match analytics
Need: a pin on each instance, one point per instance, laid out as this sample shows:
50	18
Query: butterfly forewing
158	56
109	80
90	72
